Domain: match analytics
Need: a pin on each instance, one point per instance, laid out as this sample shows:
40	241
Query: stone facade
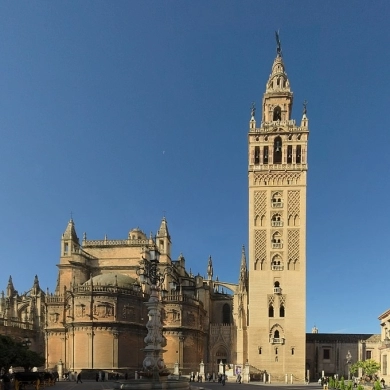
384	347
327	353
96	317
277	173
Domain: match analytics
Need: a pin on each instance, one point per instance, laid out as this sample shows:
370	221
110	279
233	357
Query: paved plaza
93	385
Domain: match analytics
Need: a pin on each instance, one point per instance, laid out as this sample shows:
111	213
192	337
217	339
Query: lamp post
348	358
149	273
26	342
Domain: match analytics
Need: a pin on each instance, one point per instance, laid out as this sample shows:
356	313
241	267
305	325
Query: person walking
79	378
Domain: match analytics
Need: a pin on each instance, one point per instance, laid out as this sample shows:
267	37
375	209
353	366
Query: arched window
270	311
276	334
265	155
281	311
277	114
289	154
226	314
257	155
276	220
277	150
299	154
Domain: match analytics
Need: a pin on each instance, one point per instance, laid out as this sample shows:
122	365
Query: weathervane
278	44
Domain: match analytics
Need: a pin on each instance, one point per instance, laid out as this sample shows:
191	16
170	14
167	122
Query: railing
277	245
181	298
276	223
274	340
277	290
278	167
277	204
277	267
128	242
15	323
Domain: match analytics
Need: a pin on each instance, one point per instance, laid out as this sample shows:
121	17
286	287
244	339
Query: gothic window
265	155
277	289
276	334
257	155
299	154
270	311
289	154
281	311
226	314
276	220
277	150
277	200
277	114
276	241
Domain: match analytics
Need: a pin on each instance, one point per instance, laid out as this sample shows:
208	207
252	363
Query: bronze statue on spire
278	44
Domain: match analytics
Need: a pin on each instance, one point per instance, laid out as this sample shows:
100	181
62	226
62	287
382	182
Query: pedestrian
223	378
79	378
6	381
97	377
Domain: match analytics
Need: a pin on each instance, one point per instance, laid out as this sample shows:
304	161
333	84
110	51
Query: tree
8	352
13	353
369	367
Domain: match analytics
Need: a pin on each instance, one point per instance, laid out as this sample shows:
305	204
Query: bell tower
277	173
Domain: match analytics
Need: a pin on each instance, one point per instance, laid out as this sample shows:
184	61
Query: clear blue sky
124	111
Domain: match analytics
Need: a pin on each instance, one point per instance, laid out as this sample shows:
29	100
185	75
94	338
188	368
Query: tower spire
243	278
210	269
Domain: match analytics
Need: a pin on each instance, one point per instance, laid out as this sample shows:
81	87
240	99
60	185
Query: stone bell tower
277	173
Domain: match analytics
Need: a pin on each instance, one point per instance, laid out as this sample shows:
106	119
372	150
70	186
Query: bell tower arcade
277	173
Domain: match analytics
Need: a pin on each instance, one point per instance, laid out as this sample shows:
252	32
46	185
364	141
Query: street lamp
349	360
26	342
149	273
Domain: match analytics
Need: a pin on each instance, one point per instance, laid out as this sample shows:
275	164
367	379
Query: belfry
277	173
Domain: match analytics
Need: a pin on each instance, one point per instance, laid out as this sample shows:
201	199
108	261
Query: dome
137	234
112	279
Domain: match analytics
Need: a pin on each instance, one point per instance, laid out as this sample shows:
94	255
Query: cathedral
95	318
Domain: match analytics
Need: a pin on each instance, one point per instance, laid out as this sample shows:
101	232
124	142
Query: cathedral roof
341	337
112	279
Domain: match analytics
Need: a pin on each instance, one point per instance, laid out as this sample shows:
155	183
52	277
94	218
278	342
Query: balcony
274	340
277	290
276	223
277	245
277	204
277	267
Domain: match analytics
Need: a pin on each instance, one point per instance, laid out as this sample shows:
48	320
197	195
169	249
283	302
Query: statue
278	44
253	110
304	107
